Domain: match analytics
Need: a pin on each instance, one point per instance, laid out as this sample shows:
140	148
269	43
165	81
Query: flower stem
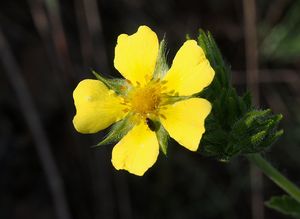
275	176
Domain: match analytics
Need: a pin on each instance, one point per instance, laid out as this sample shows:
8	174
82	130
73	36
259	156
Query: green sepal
120	86
161	134
163	139
173	99
161	66
117	131
285	205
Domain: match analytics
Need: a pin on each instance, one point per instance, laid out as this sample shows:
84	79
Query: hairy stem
275	176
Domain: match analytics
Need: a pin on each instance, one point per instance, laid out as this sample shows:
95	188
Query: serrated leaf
213	54
247	99
118	131
258	138
255	115
246	129
285	205
272	139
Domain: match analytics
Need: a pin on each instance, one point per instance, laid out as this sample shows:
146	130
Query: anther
162	116
128	81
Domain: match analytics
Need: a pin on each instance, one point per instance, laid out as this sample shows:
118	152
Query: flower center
145	101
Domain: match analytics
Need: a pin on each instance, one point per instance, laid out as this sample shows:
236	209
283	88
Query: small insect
151	124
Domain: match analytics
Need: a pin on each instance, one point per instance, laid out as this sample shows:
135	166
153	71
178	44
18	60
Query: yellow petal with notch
97	107
135	55
137	151
184	121
190	71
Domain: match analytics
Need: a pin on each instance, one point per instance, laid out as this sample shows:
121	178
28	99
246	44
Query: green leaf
247	100
234	126
118	131
285	205
281	41
256	131
213	54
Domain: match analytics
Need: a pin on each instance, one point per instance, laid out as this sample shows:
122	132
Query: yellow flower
166	99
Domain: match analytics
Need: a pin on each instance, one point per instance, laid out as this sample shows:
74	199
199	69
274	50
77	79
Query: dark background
50	45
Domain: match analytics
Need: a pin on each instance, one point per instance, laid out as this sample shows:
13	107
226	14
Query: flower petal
137	151
135	55
97	107
190	71
184	121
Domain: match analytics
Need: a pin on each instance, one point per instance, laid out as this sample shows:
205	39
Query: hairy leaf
285	205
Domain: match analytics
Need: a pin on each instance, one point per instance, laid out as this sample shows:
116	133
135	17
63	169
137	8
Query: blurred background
48	171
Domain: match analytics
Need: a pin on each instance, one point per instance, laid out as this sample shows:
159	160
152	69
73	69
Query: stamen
157	80
163	116
147	77
147	101
163	88
111	92
171	92
128	81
